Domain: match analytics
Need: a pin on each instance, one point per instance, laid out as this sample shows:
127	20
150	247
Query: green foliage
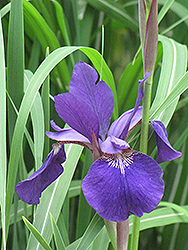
29	78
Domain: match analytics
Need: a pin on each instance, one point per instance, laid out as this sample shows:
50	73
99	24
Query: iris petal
30	189
67	134
119	185
165	150
77	114
98	96
119	125
113	145
138	102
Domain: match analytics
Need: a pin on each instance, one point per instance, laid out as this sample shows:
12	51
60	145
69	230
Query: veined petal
165	150
30	190
98	96
77	114
122	184
67	134
119	125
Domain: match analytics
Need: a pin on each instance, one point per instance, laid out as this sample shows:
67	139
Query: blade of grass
3	153
57	235
5	10
115	10
160	217
36	234
174	65
37	118
46	38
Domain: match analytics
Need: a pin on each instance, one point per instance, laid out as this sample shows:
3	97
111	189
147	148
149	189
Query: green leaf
5	10
37	118
164	9
75	188
57	235
160	217
174	65
3	153
102	240
45	36
116	11
36	234
90	234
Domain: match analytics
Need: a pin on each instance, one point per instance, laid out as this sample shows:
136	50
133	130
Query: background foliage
40	42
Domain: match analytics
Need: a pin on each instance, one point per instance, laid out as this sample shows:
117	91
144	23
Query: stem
143	149
122	234
145	115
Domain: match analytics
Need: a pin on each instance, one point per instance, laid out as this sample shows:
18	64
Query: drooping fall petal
30	190
165	150
115	186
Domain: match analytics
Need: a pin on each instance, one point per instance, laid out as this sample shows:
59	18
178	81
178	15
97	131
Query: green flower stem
145	115
143	149
112	232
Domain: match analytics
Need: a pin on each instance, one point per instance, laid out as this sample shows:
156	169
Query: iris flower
121	180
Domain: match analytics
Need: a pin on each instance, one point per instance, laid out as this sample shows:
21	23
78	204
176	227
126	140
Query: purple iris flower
120	180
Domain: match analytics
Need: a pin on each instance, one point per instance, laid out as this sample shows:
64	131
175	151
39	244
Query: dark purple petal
98	96
30	189
115	187
77	114
138	102
118	126
165	150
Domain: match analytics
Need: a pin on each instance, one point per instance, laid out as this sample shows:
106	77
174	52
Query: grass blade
58	239
37	235
174	65
3	153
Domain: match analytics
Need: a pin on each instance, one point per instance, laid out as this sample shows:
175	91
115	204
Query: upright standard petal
137	104
77	114
119	125
123	183
30	189
98	96
165	150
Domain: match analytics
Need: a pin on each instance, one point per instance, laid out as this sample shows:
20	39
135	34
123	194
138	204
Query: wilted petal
77	114
165	150
115	187
30	189
118	126
98	96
